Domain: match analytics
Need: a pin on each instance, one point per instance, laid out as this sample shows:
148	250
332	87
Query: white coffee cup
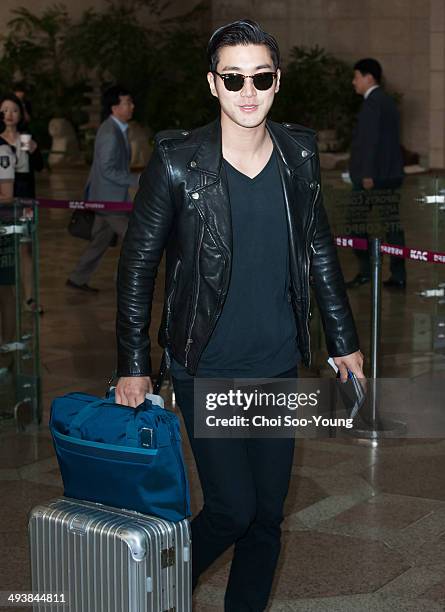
25	140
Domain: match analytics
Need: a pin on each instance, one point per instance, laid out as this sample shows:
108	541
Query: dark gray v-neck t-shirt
255	335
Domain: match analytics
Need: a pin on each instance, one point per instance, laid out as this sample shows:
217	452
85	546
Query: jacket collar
291	147
369	91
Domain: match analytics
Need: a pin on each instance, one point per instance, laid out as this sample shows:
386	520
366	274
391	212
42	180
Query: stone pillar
437	84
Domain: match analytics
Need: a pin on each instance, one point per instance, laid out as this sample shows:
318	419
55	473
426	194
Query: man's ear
211	82
371	80
277	81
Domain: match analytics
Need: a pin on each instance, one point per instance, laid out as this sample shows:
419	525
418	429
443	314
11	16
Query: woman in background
28	160
7	261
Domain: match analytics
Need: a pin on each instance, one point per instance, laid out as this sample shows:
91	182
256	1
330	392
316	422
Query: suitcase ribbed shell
109	560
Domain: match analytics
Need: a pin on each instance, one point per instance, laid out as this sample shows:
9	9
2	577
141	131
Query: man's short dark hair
10	97
243	32
370	66
111	97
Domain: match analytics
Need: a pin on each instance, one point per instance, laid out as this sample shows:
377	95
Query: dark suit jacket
375	148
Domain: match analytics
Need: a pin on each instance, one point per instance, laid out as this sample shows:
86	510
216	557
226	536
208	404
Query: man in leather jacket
237	206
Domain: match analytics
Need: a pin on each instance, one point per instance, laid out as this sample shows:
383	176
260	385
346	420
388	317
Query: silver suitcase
102	559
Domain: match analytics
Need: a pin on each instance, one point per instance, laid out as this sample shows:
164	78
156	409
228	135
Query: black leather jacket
183	206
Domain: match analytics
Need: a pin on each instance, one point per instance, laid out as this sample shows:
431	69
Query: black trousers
244	483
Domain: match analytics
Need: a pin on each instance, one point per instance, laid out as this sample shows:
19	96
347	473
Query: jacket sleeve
105	151
369	137
329	286
142	249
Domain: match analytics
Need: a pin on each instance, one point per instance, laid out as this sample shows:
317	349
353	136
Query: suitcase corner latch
168	557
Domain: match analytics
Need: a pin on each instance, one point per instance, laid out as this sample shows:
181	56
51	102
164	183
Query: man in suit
109	180
376	161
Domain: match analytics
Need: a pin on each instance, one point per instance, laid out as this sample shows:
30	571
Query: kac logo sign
419	255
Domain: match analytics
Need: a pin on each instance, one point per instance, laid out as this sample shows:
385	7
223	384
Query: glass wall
19	331
413	318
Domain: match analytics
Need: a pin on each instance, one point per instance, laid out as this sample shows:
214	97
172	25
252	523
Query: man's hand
131	390
368	183
352	362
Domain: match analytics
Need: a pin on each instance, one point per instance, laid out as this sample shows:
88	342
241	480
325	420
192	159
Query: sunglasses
235	82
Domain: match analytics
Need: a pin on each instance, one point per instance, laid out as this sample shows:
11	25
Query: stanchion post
376	304
377	427
376	310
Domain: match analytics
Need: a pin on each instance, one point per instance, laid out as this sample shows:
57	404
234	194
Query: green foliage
316	91
115	45
112	42
35	49
179	94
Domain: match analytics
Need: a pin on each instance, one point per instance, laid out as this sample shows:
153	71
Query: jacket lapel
208	189
292	151
207	186
297	179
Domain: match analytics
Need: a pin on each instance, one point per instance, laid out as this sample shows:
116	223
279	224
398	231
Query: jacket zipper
307	273
219	307
194	307
170	297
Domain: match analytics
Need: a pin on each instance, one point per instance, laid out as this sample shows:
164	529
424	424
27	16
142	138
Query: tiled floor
365	525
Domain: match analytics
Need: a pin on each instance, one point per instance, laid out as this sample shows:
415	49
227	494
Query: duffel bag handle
156	400
88	411
82	416
132	431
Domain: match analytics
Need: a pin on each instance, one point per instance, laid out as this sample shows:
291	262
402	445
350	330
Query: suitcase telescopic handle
161	375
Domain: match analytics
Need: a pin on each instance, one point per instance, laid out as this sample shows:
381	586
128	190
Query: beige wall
396	32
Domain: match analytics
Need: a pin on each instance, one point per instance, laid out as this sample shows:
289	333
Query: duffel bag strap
160	427
132	430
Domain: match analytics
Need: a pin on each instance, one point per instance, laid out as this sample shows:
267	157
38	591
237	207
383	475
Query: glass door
19	332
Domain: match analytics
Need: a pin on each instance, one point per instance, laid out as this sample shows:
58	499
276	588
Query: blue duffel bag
121	456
